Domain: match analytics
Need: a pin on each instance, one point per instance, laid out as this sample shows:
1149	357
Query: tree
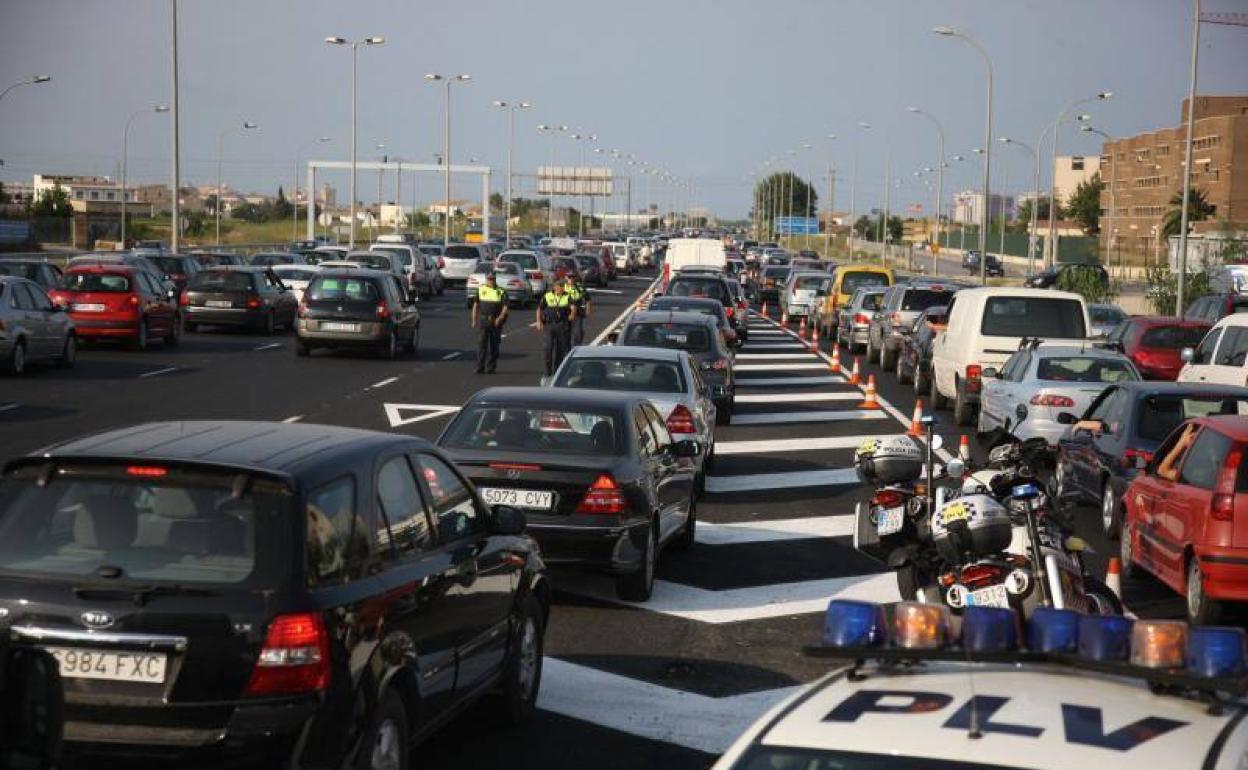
210	204
497	203
785	194
1084	205
280	208
1042	213
53	203
1198	210
863	227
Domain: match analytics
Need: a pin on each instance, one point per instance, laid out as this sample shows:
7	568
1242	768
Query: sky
705	89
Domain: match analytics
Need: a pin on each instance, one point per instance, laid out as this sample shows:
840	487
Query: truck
685	252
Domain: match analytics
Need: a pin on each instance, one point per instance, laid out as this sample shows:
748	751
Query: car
271	258
1154	343
709	282
777	257
902	303
114	301
510	278
592	271
1122	426
137	261
1221	356
459	260
1104	318
910	695
1066	275
42	272
409	266
696	334
1183	513
251	297
288	595
808	254
1214	307
207	259
32	327
669	379
536	267
1040	382
178	268
607	257
914	360
357	308
296	277
302	247
847	280
802	293
624	257
986	326
324	252
741	313
432	269
703	305
994	267
853	322
599	476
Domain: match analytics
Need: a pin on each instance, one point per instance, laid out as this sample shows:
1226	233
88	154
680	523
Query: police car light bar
1168	654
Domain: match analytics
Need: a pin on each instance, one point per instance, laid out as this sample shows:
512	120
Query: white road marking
779	367
777	398
775	346
775	418
651	711
771	333
788	445
605	291
764	531
770	382
383	383
296	418
634	278
795	353
750	482
166	370
270	346
395	412
449	356
7	407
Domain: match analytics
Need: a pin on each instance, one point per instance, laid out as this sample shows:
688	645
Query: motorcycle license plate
954	512
992	596
890	520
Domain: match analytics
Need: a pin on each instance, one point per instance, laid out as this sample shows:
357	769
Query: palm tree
1199	209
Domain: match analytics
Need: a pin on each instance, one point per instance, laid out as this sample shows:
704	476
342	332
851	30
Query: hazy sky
707	89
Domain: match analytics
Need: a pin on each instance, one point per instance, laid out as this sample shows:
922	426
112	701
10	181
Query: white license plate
518	498
89	308
992	596
330	326
218	303
890	521
113	665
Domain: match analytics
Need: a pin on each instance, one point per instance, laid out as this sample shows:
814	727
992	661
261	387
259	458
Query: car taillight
133	299
681	420
185	299
978	574
1222	507
718	364
862	318
383	310
253	302
973	374
604	497
147	471
294	658
730	310
554	421
1048	399
1131	455
888	498
303	308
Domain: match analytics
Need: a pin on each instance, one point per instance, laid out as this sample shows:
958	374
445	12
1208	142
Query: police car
1078	692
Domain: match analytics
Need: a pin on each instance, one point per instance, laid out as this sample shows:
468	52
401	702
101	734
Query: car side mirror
687	448
1066	418
991	373
546	381
613	337
1188	355
170	294
508	521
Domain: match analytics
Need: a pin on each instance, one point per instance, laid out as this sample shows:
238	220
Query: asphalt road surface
666	684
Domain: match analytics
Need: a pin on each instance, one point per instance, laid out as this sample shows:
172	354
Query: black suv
298	595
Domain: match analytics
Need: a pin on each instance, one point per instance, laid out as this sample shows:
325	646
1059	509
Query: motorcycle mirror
938	441
1187	355
955	468
1066	418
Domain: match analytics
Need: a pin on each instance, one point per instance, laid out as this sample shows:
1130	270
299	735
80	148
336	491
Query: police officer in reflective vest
489	313
554	317
580	301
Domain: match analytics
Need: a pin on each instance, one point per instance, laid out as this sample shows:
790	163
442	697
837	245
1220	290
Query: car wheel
523	676
908	581
69	353
1126	552
413	345
441	288
899	368
963	409
270	323
1106	601
385	742
723	414
638	585
873	353
938	401
390	348
1111	511
17	359
920	379
189	326
175	332
1201	610
888	359
140	339
684	541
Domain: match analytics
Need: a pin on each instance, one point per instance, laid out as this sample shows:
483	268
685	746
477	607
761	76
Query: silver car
510	277
802	292
460	260
1039	383
853	325
536	267
668	378
32	327
902	305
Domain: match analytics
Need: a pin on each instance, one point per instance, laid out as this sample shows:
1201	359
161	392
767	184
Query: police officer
489	313
581	301
554	317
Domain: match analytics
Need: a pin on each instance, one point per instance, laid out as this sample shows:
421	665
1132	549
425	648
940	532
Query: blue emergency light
1053	630
1025	492
1216	651
851	623
1105	637
989	629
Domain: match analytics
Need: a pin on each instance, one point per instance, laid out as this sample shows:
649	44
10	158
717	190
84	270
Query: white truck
686	252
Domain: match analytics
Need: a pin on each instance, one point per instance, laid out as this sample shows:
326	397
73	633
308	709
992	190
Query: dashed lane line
751	482
158	372
453	354
295	418
8	407
270	346
383	383
788	445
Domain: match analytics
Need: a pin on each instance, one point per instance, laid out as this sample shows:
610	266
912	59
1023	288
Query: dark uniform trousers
557	332
489	335
577	331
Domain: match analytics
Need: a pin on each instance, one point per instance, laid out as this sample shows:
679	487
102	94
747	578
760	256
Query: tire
390	348
873	353
921	382
907	581
888	359
69	353
522	677
189	326
723	414
175	332
899	369
639	585
1102	596
302	349
140	340
938	401
384	744
1111	511
441	288
684	541
269	326
1201	610
963	409
1126	547
16	365
413	345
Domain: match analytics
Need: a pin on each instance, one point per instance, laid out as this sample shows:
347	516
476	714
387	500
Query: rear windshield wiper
142	593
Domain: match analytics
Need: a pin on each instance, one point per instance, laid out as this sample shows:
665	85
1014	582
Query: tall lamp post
247	126
1035	204
355	47
446	147
125	158
550	206
983	228
853	190
1051	243
1113	182
511	108
294	227
31	81
827	228
940	167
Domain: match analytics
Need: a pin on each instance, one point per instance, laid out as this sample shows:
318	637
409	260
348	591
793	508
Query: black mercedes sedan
603	484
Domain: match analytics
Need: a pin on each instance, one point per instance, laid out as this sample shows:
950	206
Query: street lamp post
1051	244
446	147
940	167
1035	204
31	81
1187	158
1113	180
355	46
853	190
125	158
511	108
247	125
294	227
983	228
550	206
827	228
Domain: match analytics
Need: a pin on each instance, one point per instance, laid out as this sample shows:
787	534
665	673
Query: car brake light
303	307
515	467
253	302
441	263
1048	399
1222	507
133	299
730	310
146	471
294	658
862	318
888	498
974	371
604	497
383	310
185	299
718	364
681	420
554	421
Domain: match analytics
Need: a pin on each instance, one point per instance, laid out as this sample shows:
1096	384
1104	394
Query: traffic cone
1113	575
869	402
784	320
814	337
801	330
835	363
764	309
854	377
916	425
964	449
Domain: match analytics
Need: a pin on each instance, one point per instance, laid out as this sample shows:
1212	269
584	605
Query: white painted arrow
395	412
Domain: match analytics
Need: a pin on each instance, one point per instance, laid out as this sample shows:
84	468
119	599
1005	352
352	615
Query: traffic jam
727	461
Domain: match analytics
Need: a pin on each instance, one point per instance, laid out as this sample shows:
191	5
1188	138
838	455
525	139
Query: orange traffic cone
814	337
784	320
964	449
835	363
801	330
764	310
854	377
1113	575
869	402
916	425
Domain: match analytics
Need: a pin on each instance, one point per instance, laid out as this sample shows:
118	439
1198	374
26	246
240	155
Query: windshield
218	280
694	339
535	430
463	252
346	289
858	279
525	261
696	288
1084	369
96	282
1106	315
811	282
1163	413
1173	337
20	269
922	299
1033	317
149	523
621	374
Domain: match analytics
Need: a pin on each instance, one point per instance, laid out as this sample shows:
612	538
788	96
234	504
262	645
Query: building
1147	171
1070	171
968	207
99	189
158	197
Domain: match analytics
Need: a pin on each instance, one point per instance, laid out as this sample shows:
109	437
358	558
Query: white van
1222	356
683	252
985	328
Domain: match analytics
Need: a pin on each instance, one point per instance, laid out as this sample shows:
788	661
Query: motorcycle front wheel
1104	599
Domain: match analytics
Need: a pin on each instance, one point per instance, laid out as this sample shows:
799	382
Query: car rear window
857	279
462	252
536	430
1173	337
20	269
922	299
217	280
103	282
147	523
296	275
667	335
1161	414
1033	317
776	272
622	374
687	306
1084	369
525	261
343	288
400	255
809	282
169	265
698	288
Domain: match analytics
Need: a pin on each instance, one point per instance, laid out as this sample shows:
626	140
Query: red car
1154	343
1187	515
114	301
